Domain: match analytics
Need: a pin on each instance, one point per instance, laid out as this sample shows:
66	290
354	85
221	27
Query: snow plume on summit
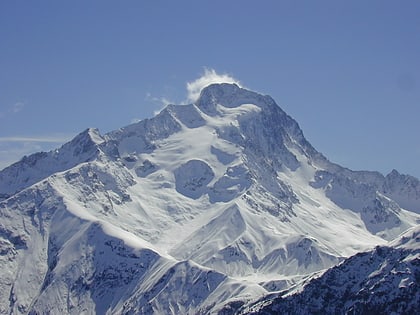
209	77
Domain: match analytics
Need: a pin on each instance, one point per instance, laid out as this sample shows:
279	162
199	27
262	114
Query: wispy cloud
162	102
165	102
17	107
13	109
210	76
48	139
193	89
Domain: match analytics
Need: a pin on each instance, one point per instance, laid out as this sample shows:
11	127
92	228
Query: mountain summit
203	208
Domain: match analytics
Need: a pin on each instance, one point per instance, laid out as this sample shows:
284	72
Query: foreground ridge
382	281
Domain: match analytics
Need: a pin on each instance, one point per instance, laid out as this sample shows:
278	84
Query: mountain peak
394	173
229	95
84	142
35	167
221	88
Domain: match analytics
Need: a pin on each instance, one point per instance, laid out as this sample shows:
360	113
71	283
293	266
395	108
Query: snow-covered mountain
202	207
385	280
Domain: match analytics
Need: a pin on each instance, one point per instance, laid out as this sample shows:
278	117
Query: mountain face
385	280
202	209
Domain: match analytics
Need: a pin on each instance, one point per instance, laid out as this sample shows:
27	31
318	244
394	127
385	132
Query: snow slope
199	207
382	281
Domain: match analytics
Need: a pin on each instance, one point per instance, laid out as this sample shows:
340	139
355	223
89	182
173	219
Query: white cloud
210	76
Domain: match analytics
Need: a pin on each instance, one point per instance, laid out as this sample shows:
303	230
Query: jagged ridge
382	281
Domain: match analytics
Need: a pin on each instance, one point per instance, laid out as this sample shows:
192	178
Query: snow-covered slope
201	206
385	280
36	167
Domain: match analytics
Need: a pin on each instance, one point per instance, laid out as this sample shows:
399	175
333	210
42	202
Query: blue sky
347	71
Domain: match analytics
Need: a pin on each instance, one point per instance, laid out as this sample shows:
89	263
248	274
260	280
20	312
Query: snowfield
205	208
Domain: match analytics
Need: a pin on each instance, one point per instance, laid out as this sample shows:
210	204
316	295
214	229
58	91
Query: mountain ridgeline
216	207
